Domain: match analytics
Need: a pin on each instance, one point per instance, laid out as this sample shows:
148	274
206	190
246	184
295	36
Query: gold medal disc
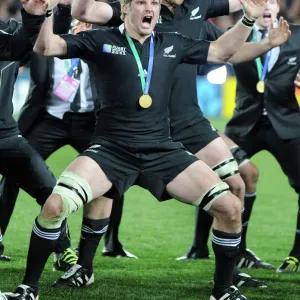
260	86
145	101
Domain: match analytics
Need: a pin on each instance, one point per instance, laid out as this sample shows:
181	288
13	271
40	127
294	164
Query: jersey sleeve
16	39
62	19
32	25
5	41
82	45
193	51
210	31
216	8
115	21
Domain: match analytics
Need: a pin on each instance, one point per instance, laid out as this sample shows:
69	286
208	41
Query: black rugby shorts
21	164
149	165
196	136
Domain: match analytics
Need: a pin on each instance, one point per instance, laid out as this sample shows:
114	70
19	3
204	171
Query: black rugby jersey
16	39
209	32
188	20
118	84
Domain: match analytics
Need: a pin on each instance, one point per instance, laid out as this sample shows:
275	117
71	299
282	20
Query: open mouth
267	16
147	20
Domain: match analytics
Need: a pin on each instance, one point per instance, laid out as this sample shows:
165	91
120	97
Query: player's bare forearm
277	37
91	11
225	47
48	43
234	5
249	51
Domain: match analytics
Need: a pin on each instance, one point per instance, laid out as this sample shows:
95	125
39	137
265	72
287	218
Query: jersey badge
114	49
195	15
167	52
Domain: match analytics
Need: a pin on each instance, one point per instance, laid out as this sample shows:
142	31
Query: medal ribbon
74	65
262	70
145	84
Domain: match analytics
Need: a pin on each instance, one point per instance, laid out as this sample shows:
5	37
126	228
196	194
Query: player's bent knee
208	198
74	192
236	185
226	168
239	155
249	172
52	207
229	209
253	173
234	211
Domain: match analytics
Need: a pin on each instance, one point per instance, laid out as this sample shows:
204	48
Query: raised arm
81	45
16	44
91	11
48	43
62	18
14	41
249	51
234	5
223	49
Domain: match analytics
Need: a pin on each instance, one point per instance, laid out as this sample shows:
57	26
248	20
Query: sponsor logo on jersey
194	14
114	49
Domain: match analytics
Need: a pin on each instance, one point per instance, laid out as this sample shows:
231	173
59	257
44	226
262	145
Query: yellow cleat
64	261
289	265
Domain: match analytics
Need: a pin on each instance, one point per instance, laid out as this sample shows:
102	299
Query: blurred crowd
290	9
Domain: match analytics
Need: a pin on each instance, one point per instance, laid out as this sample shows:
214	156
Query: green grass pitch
158	233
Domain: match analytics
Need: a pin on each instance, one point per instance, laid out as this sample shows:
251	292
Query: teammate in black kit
19	162
15	42
16	38
260	122
267	112
132	142
199	248
48	122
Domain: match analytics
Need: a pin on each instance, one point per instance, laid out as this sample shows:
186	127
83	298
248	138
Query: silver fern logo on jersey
167	52
292	61
195	15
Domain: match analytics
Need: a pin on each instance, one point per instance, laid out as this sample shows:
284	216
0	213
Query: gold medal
260	86
145	101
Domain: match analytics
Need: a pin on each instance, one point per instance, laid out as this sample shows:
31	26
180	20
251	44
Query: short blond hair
126	2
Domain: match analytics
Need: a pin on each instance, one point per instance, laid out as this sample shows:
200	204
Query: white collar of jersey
122	28
256	27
